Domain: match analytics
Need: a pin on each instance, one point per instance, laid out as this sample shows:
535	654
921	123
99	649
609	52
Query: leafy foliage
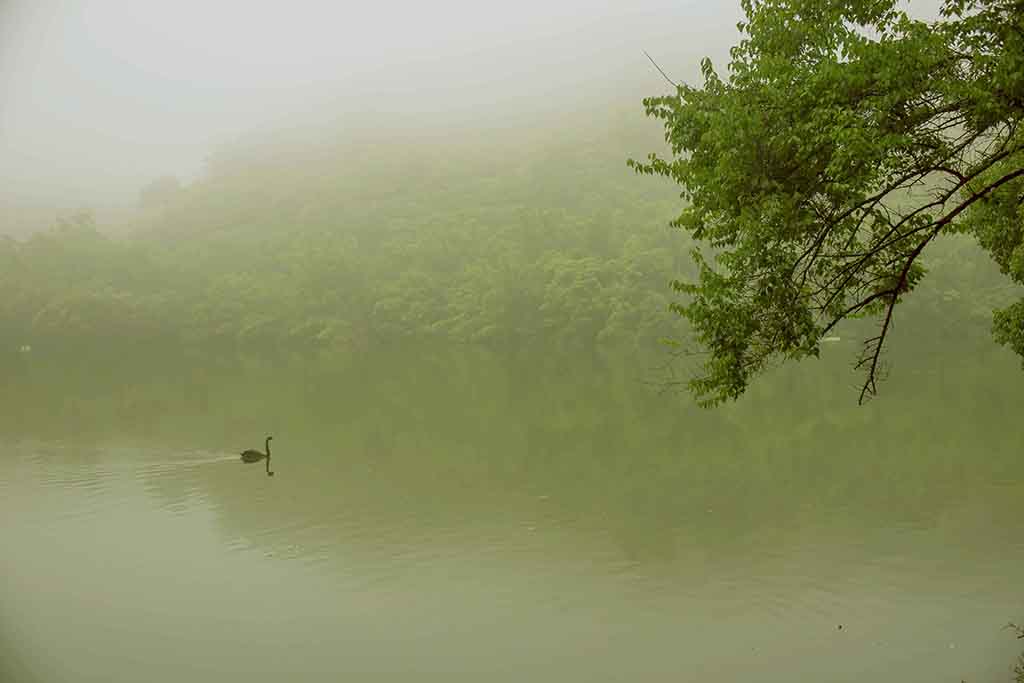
539	247
351	245
846	138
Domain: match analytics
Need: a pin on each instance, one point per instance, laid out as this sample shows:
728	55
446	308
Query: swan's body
254	456
251	456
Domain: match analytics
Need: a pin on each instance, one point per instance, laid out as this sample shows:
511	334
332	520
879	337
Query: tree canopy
845	139
538	248
342	245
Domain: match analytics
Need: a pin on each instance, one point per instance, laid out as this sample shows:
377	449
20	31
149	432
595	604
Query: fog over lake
402	240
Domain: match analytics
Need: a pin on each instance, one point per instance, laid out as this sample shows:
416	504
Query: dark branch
870	384
660	69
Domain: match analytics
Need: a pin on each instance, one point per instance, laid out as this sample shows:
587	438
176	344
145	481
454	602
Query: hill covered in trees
343	244
541	239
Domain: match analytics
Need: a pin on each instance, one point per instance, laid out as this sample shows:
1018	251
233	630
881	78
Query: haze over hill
101	97
337	174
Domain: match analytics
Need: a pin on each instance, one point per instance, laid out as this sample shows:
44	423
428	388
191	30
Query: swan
251	456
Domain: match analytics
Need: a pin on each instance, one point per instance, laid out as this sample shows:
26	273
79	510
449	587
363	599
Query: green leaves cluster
846	137
350	247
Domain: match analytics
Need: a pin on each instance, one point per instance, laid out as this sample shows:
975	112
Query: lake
457	517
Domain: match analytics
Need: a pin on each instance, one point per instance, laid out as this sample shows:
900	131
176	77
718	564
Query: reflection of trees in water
15	665
411	448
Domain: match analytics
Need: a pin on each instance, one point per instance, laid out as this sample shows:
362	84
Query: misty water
460	517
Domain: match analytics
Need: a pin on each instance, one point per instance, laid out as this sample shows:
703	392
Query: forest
530	242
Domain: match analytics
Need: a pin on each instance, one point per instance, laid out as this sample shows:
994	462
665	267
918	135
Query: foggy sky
98	97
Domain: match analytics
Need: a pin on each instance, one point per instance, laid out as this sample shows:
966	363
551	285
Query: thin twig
660	69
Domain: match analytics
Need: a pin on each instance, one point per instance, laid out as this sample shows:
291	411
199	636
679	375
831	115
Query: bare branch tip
674	84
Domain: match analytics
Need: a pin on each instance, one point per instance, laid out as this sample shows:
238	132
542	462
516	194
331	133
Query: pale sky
98	97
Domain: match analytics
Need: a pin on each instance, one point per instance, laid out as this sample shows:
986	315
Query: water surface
461	518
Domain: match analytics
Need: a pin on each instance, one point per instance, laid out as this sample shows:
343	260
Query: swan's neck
267	446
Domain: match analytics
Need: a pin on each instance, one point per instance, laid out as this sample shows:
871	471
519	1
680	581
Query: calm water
469	520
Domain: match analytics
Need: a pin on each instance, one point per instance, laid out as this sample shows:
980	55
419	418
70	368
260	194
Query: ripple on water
558	575
91	479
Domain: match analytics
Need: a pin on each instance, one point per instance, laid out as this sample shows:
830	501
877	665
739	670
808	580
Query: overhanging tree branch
817	168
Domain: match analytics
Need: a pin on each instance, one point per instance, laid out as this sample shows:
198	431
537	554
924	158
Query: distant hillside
541	238
22	219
